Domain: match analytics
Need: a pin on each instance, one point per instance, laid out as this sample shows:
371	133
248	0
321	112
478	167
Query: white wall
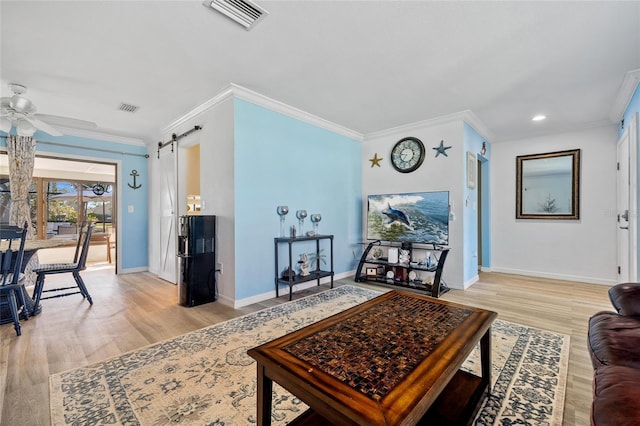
216	187
154	207
435	174
582	250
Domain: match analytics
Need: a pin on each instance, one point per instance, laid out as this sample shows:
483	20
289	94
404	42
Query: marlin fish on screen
394	215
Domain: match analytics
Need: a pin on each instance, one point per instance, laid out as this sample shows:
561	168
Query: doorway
626	202
63	193
484	222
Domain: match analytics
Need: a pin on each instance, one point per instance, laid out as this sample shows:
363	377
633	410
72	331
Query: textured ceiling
367	66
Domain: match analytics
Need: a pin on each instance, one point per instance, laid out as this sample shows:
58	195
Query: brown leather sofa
614	345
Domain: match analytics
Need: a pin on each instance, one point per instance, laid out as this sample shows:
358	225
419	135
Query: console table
294	278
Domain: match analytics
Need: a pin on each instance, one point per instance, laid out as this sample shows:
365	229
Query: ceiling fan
19	111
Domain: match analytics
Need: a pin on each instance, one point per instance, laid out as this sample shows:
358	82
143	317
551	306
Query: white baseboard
133	270
563	277
470	282
224	300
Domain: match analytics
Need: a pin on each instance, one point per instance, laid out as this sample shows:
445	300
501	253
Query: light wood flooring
134	310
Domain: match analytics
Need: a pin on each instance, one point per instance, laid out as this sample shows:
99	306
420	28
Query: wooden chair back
79	264
11	253
82	248
12	241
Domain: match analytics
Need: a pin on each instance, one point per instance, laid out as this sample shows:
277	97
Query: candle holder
282	212
301	215
315	219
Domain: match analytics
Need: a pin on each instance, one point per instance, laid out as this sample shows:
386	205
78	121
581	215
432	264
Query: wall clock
407	154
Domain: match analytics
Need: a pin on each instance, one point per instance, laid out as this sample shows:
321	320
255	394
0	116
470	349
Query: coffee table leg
265	387
485	359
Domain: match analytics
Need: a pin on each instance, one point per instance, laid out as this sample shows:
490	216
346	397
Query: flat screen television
416	217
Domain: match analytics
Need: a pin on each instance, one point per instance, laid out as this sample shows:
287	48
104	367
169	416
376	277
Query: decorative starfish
375	161
441	149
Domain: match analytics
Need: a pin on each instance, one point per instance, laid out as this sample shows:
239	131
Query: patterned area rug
206	378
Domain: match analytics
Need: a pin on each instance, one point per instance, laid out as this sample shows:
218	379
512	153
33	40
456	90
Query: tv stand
401	271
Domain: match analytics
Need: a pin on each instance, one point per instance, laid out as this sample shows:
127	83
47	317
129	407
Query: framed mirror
548	185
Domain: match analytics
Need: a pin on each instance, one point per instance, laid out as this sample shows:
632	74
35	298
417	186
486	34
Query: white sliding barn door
168	211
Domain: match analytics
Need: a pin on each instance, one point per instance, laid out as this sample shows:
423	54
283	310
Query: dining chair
74	268
11	280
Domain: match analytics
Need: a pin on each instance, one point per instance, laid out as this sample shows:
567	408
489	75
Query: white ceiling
365	65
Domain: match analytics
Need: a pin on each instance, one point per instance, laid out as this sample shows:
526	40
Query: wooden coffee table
394	360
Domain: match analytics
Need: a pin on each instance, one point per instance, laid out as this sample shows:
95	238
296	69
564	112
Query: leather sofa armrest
625	298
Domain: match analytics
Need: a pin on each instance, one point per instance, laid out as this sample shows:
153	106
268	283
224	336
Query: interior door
480	236
623	216
168	219
627	202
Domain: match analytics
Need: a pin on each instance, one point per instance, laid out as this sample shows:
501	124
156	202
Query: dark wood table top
382	362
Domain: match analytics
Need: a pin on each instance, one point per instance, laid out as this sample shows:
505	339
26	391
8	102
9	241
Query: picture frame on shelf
392	255
371	272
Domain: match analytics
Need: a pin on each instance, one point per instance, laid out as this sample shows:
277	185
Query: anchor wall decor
135	174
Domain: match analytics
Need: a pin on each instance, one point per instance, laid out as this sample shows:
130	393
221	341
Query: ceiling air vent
244	12
128	108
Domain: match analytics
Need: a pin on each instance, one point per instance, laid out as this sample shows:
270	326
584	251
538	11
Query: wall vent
128	108
244	12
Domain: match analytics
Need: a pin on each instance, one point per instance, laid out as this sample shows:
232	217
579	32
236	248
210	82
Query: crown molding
467	116
238	92
225	94
293	112
478	125
627	88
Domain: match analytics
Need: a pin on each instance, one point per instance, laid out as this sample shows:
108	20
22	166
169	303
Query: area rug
206	378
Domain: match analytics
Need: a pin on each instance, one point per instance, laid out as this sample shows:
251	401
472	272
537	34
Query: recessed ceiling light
539	117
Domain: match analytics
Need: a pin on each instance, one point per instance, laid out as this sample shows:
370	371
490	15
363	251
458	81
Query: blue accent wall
134	226
280	160
472	142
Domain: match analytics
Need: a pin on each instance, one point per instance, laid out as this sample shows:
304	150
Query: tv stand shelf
402	270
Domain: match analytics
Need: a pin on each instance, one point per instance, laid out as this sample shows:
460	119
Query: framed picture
392	255
548	185
371	272
471	170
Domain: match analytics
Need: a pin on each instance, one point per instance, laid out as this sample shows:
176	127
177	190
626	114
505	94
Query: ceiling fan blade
4	106
41	125
74	123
